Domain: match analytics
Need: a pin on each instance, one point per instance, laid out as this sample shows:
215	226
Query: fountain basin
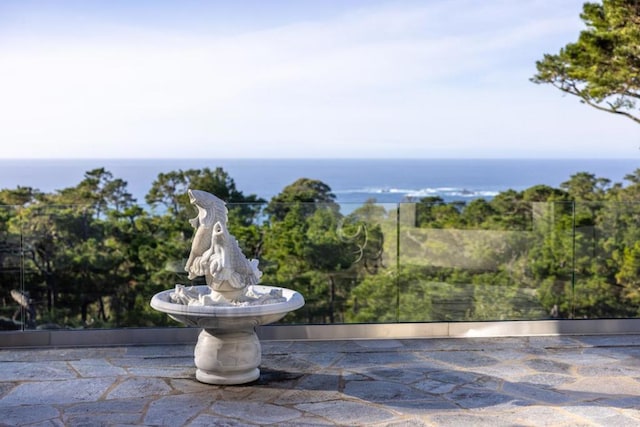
228	350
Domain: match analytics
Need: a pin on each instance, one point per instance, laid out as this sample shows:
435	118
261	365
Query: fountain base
227	357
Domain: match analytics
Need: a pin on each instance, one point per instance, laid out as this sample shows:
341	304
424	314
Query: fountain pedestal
227	357
228	350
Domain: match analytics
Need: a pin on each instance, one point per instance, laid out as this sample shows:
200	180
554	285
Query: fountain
230	305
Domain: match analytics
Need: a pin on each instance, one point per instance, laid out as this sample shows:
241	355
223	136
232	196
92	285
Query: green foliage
602	67
304	194
543	194
304	250
586	187
375	299
477	213
169	191
438	214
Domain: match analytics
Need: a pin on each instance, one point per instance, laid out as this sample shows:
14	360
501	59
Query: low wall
182	335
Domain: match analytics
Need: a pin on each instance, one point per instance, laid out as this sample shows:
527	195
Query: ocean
352	180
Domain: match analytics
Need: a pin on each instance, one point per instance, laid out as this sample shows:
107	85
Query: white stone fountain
232	303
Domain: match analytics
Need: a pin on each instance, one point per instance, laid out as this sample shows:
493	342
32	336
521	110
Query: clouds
401	79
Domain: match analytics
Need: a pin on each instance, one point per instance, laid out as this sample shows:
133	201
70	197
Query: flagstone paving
524	381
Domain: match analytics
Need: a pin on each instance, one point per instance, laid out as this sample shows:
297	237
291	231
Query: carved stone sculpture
216	255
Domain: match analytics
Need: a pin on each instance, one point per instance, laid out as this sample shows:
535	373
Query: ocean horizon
351	180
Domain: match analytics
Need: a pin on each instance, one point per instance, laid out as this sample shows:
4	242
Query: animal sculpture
215	253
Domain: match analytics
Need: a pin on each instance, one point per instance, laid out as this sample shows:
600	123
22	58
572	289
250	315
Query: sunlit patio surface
524	381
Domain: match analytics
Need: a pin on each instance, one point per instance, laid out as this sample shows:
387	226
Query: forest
90	256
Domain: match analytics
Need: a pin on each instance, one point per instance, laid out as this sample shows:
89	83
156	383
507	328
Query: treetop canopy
602	67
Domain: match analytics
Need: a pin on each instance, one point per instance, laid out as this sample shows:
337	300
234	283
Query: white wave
374	190
447	192
423	192
488	193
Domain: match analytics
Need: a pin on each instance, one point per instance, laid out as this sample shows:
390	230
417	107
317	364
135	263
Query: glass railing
77	267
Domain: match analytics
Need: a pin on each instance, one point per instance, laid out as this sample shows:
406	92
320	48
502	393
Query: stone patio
530	381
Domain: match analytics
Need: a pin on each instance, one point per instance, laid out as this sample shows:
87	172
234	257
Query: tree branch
572	89
611	110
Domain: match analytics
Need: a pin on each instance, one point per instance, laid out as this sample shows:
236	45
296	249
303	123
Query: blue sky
323	78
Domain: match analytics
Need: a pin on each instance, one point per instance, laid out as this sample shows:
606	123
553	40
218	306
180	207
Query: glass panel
550	258
620	252
468	262
332	258
504	259
606	260
15	306
52	265
83	269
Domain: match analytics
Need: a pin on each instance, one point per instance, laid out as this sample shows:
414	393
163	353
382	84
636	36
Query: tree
20	196
511	211
311	247
628	275
170	189
585	186
424	210
477	213
363	230
543	193
305	193
603	67
100	190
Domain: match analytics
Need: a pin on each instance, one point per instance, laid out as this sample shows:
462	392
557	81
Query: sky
293	79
